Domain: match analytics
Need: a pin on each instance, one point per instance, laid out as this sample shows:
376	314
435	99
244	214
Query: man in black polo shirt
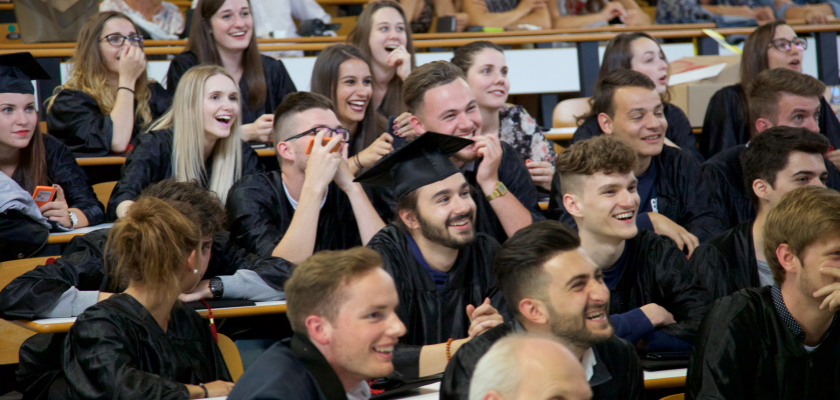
777	161
552	287
669	181
780	341
777	97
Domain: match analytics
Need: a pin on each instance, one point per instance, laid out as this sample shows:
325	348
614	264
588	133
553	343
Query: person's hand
218	388
57	210
611	10
483	318
634	17
259	130
201	291
815	17
103	296
657	315
490	149
403	128
343	177
764	14
401	59
461	20
831	292
322	164
834	157
665	227
378	149
132	63
541	173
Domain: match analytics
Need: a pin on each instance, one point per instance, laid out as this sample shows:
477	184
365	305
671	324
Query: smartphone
324	142
43	195
445	24
399	141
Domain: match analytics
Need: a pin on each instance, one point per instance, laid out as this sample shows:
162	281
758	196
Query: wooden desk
66	237
57	325
560	134
265	152
665	379
95	161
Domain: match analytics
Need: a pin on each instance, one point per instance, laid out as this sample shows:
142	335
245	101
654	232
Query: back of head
426	77
293	104
766	90
205	202
602	98
602	153
315	287
151	244
203	45
754	58
768	153
465	55
803	217
518	266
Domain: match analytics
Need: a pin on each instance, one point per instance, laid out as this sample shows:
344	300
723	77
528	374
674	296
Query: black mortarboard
423	161
17	71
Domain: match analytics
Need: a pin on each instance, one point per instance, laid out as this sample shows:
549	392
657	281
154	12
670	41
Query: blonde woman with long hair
198	138
107	100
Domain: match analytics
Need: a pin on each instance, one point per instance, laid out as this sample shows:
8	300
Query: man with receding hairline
312	203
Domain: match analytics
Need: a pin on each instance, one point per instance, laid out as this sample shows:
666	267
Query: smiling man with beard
552	287
505	197
441	266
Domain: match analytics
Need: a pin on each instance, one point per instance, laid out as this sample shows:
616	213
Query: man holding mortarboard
440	264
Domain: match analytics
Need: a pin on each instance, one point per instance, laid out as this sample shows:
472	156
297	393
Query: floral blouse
518	129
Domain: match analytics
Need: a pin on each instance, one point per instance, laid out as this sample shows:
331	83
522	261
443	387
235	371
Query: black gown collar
318	366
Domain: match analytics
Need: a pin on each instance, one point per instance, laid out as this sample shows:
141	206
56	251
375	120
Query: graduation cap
17	71
418	163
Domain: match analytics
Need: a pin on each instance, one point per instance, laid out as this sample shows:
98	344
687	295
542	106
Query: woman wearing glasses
774	45
107	100
198	138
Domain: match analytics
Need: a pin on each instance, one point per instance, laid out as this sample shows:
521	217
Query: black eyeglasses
344	133
785	45
117	40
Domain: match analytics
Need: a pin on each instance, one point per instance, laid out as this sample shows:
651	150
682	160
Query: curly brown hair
602	153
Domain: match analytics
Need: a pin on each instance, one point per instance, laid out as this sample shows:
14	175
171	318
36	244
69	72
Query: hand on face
541	173
657	315
132	64
401	59
665	227
323	164
490	149
483	318
831	292
259	130
58	210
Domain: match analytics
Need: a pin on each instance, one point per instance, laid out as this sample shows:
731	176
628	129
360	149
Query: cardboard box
693	97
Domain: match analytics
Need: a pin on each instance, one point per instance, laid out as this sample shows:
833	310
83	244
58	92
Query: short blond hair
315	286
602	153
803	216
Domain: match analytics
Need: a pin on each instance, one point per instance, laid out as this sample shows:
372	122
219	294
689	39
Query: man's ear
409	218
417	125
762	124
284	151
761	189
788	260
493	395
572	205
319	329
605	122
534	311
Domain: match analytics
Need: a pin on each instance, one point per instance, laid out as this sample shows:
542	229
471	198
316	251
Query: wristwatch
74	220
500	190
217	288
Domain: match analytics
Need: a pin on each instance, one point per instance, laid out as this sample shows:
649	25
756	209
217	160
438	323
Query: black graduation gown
277	81
679	192
151	162
617	360
432	316
514	175
117	350
656	271
63	170
744	350
727	261
679	130
76	119
259	214
82	266
292	369
724	180
727	124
